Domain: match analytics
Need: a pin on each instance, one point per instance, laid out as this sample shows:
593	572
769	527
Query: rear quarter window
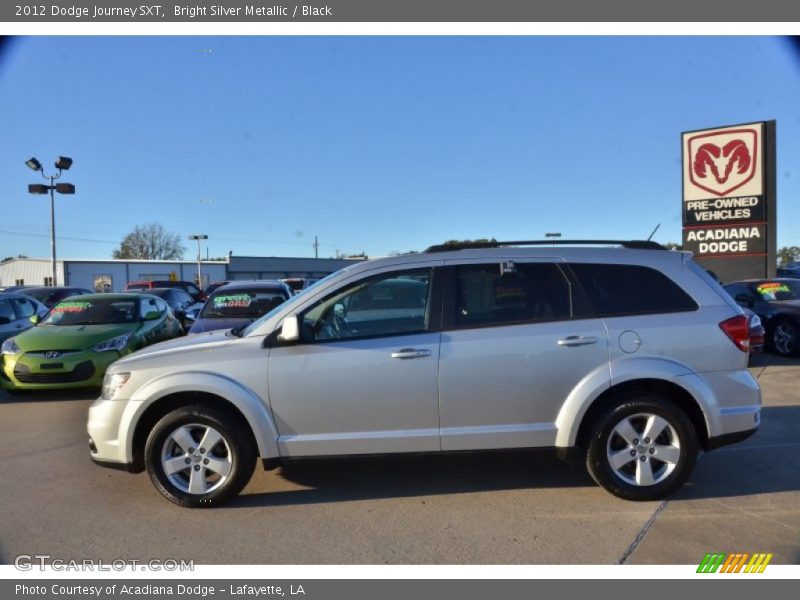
617	290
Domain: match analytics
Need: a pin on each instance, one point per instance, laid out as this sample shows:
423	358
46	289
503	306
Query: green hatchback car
80	337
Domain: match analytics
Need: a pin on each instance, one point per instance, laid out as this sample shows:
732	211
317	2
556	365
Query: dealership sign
728	199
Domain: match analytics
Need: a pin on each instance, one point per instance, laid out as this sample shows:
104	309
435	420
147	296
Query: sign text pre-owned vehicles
631	353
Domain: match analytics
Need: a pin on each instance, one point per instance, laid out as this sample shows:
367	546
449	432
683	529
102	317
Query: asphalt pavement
491	508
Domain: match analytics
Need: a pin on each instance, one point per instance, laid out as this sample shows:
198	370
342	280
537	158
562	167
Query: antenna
650	237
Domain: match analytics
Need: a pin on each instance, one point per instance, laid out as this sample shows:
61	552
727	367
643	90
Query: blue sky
378	144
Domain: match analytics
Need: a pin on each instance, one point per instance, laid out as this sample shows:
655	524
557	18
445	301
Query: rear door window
491	294
617	290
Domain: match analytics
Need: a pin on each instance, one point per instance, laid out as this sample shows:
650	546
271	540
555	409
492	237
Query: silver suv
627	352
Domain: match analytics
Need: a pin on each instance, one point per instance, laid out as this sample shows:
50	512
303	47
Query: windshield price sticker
72	307
769	290
233	301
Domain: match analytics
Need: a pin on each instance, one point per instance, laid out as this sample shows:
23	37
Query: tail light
738	330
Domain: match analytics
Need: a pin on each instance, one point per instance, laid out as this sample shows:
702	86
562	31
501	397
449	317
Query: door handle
411	353
577	340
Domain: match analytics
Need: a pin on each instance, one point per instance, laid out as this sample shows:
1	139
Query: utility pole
316	247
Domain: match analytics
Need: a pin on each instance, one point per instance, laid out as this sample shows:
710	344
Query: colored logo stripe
734	563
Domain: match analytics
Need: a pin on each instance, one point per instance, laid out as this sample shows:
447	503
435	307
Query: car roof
763	279
53	288
583	253
9	295
252	285
156	291
106	296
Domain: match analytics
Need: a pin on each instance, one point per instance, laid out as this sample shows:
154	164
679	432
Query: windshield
92	312
771	291
290	302
241	303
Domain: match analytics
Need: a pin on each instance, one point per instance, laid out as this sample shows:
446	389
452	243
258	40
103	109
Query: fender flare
252	407
591	387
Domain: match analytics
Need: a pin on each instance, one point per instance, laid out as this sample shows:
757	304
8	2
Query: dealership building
112	275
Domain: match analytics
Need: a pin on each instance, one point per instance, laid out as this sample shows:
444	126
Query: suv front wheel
642	449
199	457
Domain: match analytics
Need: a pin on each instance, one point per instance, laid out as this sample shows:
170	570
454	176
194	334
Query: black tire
624	481
784	338
236	450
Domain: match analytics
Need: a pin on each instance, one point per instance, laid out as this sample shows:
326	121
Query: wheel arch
599	390
669	390
162	396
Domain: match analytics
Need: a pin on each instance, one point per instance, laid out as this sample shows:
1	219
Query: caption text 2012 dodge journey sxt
629	352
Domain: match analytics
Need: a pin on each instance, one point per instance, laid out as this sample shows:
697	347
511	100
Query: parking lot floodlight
38	188
65	188
197	238
63	163
34	164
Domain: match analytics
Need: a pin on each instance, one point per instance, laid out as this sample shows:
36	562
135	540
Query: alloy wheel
196	458
643	449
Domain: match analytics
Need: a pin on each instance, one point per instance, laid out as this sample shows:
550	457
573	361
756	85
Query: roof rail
632	244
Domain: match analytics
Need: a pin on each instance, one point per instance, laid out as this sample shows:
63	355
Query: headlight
112	383
10	347
117	343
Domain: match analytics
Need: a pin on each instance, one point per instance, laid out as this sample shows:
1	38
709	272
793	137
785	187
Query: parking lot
494	508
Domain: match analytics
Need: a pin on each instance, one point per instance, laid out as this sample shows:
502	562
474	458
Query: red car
188	286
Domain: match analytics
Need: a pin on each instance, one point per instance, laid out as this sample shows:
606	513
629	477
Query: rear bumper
730	438
731	401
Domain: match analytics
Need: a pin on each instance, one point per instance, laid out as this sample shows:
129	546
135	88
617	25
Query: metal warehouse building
112	275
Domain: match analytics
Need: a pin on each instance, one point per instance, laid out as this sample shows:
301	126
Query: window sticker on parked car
771	290
233	301
72	307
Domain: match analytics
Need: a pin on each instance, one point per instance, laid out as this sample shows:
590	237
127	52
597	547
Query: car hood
70	337
204	342
202	325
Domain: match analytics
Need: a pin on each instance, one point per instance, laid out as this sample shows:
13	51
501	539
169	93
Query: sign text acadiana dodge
729	200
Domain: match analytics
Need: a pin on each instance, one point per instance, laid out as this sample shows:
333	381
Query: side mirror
152	315
744	300
35	319
290	329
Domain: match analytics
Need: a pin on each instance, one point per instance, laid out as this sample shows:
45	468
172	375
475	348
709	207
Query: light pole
62	164
199	237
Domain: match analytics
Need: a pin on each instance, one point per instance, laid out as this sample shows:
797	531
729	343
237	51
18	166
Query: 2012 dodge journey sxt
625	351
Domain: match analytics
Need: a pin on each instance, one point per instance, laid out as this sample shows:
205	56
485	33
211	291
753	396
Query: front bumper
106	439
32	371
110	464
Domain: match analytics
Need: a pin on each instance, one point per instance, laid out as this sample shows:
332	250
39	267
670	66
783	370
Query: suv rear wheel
644	448
199	457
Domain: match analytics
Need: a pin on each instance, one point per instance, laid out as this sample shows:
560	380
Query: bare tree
150	242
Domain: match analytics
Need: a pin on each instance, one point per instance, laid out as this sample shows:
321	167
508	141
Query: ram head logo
723	161
720	161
